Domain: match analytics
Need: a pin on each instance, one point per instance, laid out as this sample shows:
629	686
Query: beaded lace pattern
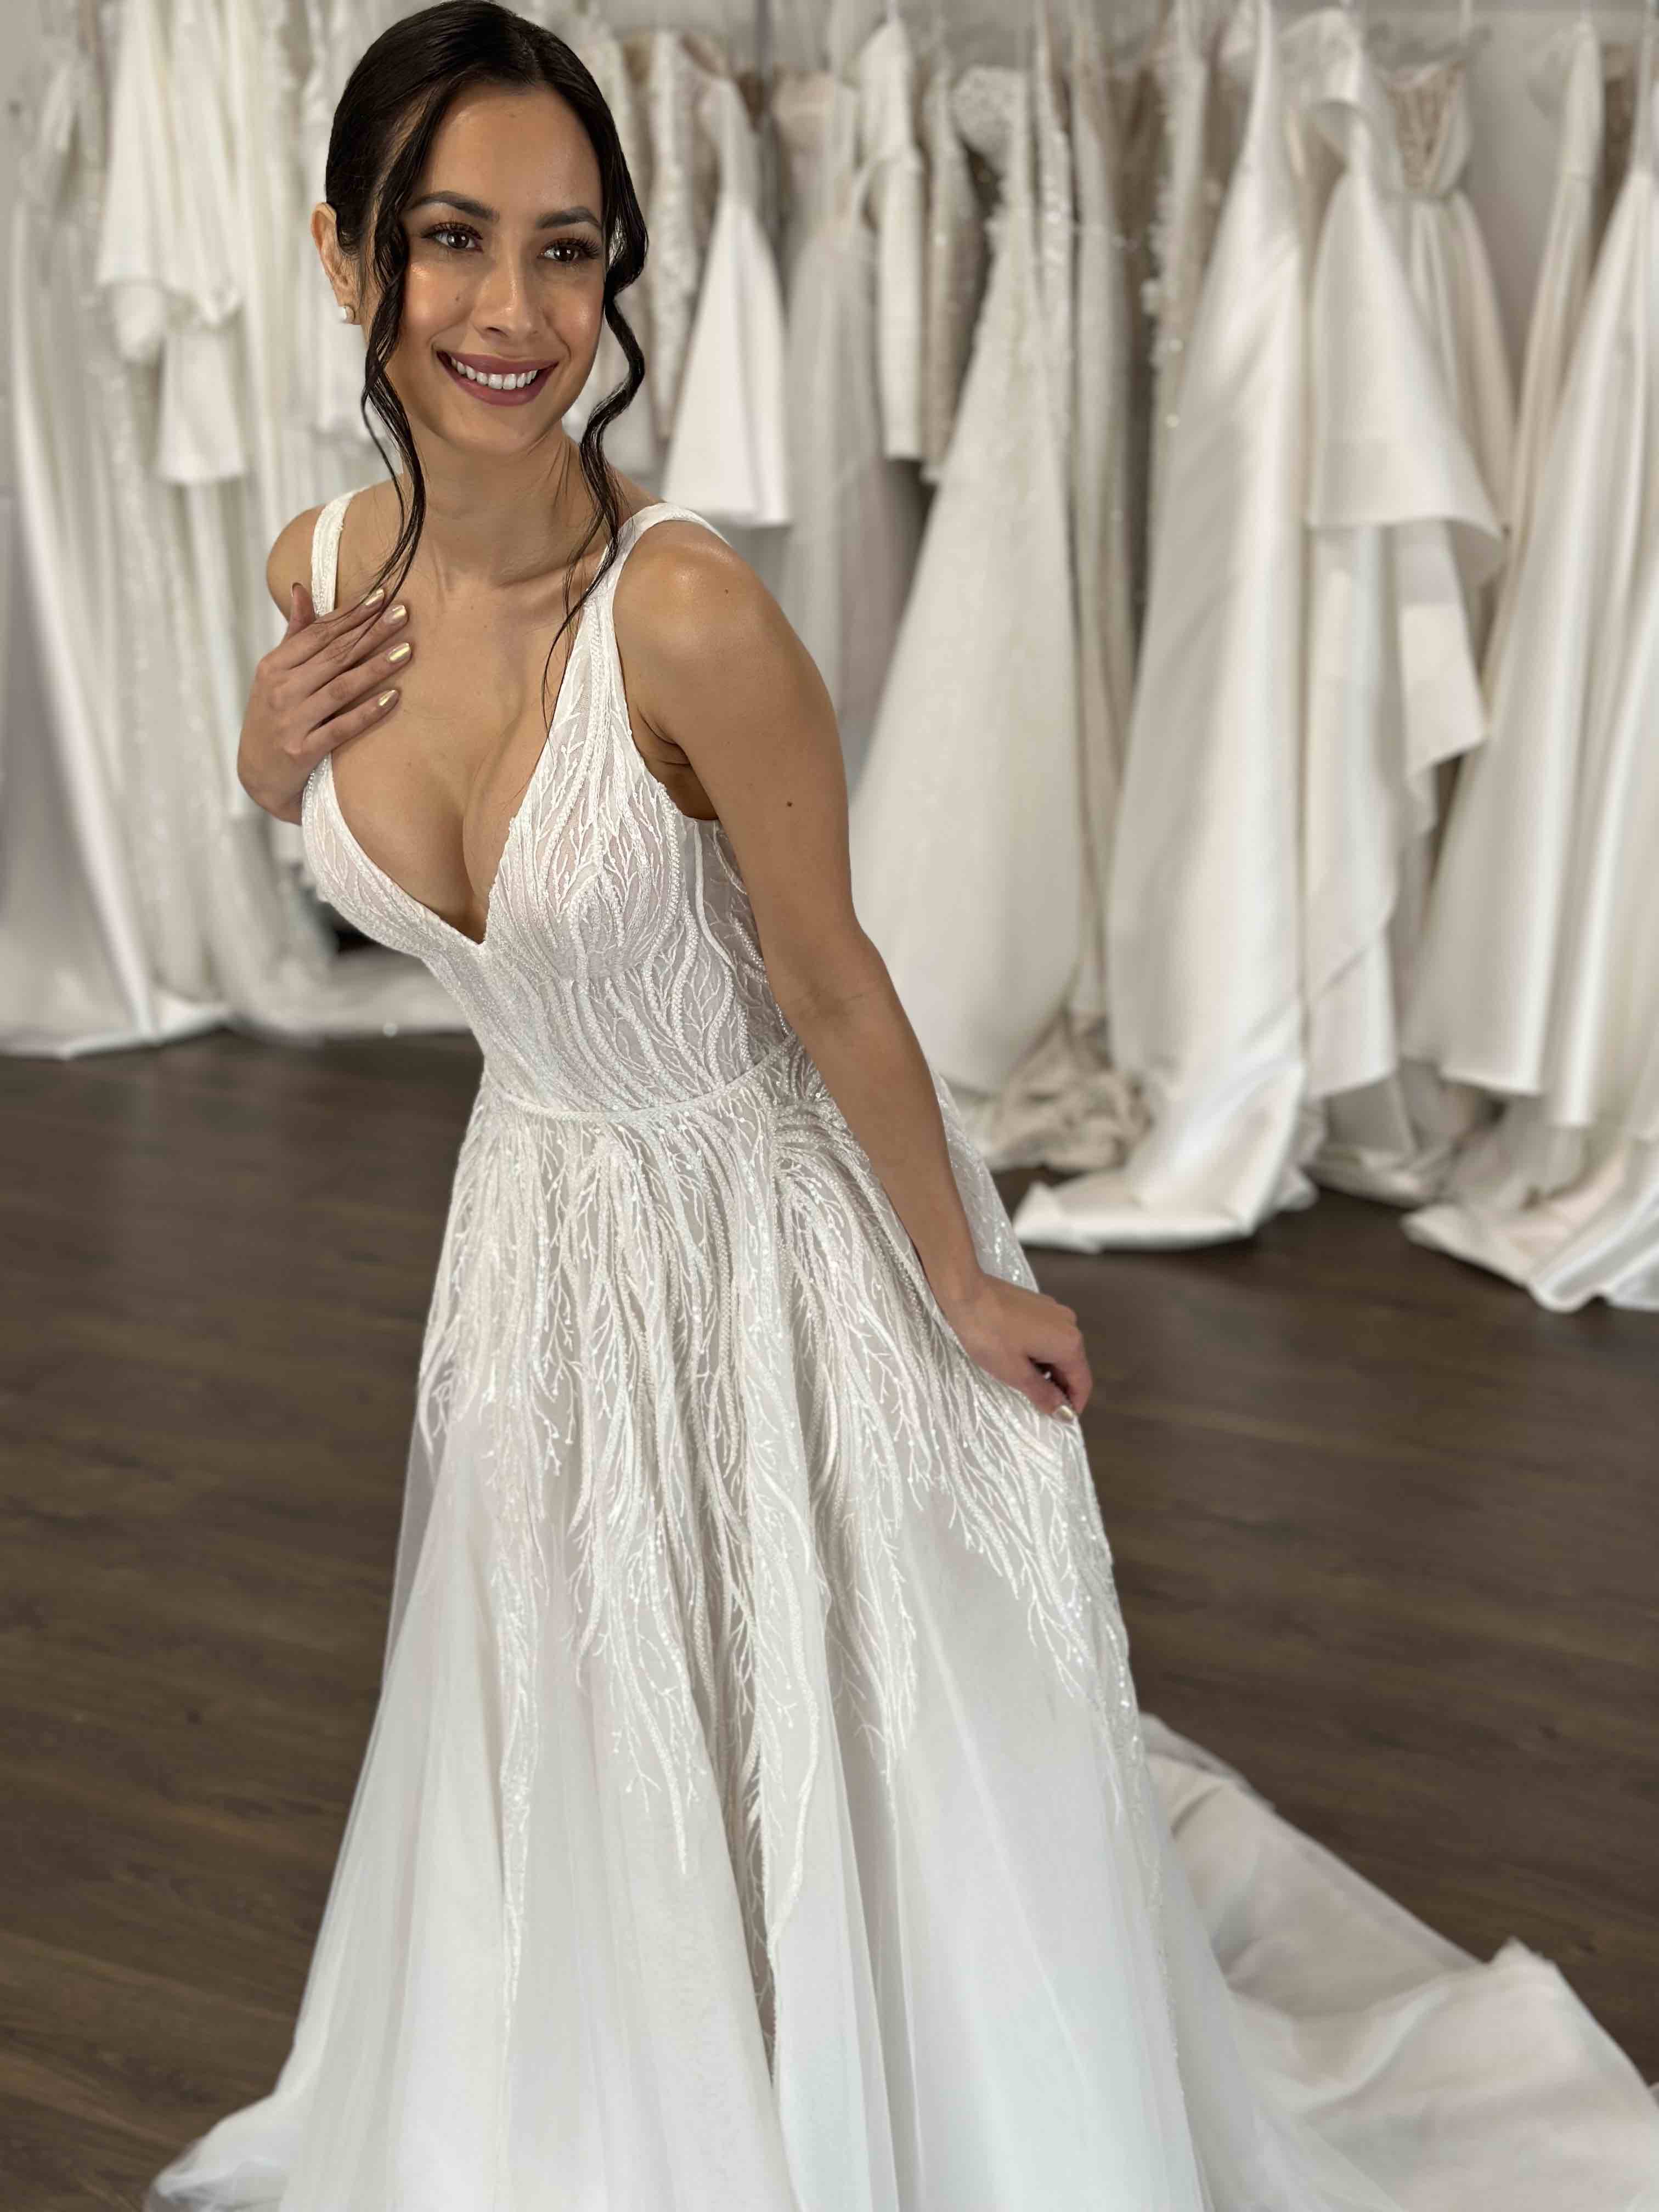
675	1302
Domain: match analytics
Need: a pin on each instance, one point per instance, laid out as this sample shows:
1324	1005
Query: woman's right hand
327	678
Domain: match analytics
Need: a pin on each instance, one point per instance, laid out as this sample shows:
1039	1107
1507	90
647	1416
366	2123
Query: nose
505	302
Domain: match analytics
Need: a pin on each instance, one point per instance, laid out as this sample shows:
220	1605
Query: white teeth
495	383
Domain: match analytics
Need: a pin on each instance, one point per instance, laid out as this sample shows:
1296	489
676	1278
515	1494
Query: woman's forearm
865	1049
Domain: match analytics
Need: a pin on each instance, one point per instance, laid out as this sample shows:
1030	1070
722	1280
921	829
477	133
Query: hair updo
388	116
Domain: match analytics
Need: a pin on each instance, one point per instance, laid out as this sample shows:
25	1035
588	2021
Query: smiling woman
757	1816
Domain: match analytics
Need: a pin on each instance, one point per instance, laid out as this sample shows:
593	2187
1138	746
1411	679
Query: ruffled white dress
1403	534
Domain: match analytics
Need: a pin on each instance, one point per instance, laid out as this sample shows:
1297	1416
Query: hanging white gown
1445	255
328	354
1205	942
856	515
726	457
955	275
757	1813
1065	1104
630	442
1202	120
1566	82
898	198
101	943
1403	534
1543	984
677	218
967	841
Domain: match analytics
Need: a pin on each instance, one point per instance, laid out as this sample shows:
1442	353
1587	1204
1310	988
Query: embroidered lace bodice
619	969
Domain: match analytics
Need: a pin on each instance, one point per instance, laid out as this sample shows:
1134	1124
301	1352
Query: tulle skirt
757	1814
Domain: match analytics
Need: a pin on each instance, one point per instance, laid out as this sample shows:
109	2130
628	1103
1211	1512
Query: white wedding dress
1403	535
1539	980
726	454
853	355
1204	938
1567	80
966	830
757	1813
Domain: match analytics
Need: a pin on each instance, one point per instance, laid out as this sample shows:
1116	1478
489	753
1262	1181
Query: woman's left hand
1015	1334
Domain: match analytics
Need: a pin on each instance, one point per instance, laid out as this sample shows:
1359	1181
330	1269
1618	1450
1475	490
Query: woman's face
504	295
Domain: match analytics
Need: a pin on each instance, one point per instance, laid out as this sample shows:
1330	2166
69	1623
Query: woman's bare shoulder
289	561
684	585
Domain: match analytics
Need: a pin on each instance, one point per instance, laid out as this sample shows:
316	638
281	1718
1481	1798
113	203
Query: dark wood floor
1386	1537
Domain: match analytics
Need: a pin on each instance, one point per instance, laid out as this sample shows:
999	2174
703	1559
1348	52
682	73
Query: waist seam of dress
637	1114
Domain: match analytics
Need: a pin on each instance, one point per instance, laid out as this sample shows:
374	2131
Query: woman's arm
714	670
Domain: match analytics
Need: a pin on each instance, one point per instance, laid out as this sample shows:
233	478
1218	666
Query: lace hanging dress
967	840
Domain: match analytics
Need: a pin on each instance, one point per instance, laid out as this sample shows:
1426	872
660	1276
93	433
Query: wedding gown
1539	980
1205	937
756	1812
967	841
1566	81
1446	257
1403	535
1202	120
726	454
955	270
631	441
856	513
1065	1104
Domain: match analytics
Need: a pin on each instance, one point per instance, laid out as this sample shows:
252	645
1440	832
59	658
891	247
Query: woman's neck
500	524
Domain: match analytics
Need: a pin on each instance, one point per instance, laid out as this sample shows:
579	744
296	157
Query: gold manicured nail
385	698
398	653
375	597
399	613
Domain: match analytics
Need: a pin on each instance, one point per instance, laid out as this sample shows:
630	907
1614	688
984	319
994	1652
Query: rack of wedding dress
1382	892
160	245
1152	498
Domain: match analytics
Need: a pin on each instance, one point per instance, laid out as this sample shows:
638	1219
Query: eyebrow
480	213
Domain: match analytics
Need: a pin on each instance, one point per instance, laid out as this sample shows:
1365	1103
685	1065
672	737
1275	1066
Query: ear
338	270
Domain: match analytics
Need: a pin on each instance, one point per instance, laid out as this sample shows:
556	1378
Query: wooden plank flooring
1386	1538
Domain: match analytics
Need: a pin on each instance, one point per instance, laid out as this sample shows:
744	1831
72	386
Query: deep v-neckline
547	751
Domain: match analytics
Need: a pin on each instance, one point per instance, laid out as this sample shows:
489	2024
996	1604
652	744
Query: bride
757	1816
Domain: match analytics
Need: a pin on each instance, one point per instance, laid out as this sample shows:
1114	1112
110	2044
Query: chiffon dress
757	1811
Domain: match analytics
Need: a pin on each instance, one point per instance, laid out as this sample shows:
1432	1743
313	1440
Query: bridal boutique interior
1204	447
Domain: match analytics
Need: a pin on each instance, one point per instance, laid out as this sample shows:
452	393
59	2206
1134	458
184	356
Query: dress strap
325	553
662	510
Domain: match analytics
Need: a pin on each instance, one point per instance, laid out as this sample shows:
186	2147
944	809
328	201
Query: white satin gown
757	1813
1540	982
1204	938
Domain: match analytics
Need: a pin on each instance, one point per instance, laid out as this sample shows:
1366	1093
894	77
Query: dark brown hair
387	118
